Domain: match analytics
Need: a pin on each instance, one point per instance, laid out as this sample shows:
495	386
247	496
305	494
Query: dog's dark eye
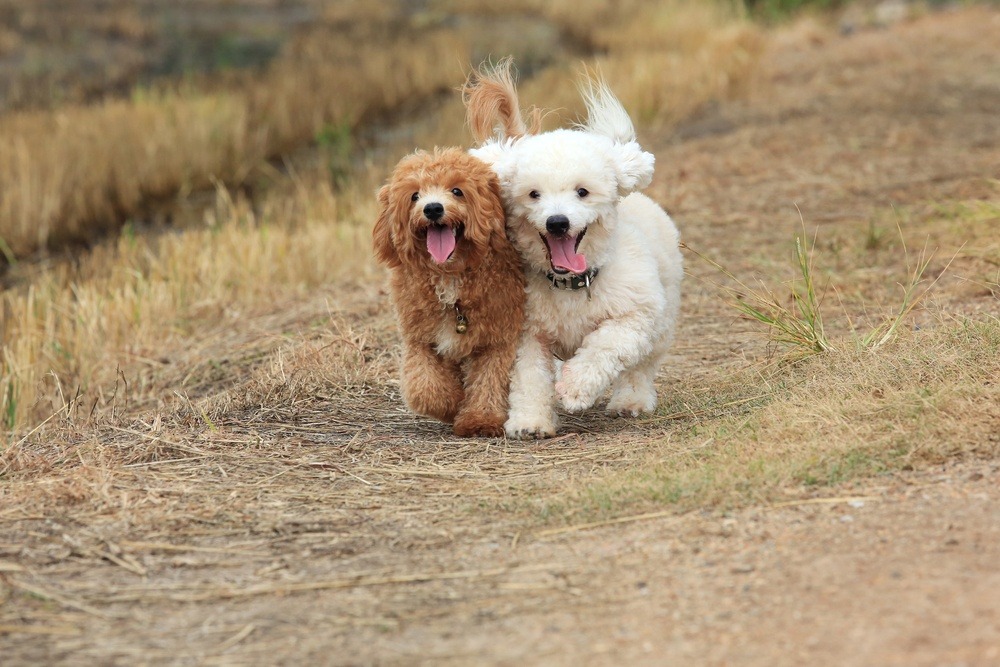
415	196
456	192
583	192
534	194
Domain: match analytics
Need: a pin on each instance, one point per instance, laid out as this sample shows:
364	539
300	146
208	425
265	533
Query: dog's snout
557	224
434	211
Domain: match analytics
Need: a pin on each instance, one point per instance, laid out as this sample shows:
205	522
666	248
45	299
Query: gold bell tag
461	323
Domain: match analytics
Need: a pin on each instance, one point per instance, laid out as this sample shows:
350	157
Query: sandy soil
283	533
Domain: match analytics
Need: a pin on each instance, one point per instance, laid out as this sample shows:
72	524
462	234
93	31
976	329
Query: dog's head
438	209
562	190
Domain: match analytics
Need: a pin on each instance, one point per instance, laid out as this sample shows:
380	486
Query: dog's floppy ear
385	250
485	214
633	166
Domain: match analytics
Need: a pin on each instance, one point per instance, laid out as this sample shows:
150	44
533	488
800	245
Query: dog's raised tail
492	106
605	114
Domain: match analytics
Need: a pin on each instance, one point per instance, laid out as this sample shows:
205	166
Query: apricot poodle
457	286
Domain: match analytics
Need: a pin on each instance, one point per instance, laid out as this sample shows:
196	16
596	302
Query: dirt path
287	522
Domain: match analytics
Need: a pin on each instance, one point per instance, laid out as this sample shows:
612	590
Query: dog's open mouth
441	241
563	255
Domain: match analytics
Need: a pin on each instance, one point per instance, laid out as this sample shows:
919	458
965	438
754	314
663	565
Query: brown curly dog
457	285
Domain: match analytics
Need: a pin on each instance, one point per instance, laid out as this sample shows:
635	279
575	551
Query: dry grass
257	489
79	170
705	50
766	433
131	303
667	59
69	174
799	324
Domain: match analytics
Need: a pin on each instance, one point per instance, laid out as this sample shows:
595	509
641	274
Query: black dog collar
573	281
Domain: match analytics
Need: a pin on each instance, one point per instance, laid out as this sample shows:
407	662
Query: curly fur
459	378
617	336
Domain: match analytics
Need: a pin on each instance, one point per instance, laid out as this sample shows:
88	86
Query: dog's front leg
615	345
432	385
487	383
532	396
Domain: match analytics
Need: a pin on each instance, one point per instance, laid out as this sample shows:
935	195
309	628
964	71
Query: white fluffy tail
605	114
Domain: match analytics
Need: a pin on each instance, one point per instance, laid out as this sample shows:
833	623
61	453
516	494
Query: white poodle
602	261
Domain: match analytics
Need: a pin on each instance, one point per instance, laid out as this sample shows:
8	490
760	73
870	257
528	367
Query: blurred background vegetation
161	162
55	52
108	108
111	107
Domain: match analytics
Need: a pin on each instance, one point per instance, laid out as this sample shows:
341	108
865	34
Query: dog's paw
631	403
478	426
530	434
625	411
579	387
478	430
537	428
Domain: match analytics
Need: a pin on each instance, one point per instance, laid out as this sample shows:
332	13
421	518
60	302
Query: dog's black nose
434	211
557	224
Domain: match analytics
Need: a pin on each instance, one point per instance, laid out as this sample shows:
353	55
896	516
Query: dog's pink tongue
563	251
440	242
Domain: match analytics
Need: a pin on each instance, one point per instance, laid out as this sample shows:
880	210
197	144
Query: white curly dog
603	264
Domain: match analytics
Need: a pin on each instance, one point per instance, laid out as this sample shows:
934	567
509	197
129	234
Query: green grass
779	9
10	407
336	144
969	212
794	318
829	420
8	254
914	292
795	321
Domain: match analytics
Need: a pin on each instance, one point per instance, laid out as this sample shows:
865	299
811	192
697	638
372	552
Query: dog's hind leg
532	393
432	385
487	382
